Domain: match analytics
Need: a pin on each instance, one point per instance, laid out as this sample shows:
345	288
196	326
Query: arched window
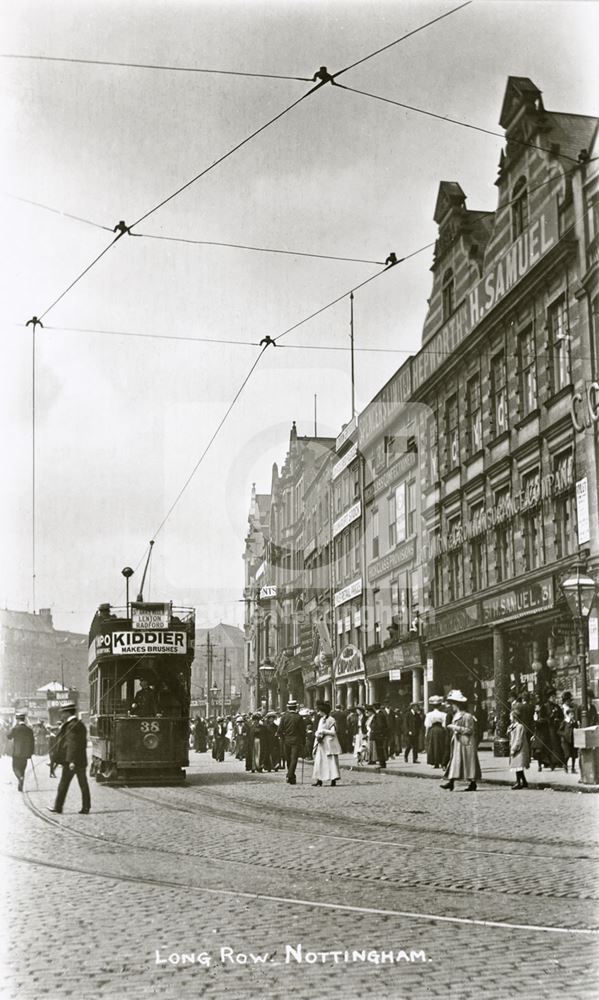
519	208
448	290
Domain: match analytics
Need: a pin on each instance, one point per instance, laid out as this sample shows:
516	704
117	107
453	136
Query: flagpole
351	337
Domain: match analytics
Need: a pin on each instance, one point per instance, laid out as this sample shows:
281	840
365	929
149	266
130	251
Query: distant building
217	672
33	653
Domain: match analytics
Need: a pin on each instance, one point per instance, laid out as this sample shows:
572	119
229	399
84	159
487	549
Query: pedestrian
435	723
292	733
519	747
390	719
326	747
200	735
71	751
463	762
380	734
220	740
361	736
413	730
23	745
566	735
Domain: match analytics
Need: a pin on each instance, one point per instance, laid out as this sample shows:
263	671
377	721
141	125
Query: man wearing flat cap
71	750
22	747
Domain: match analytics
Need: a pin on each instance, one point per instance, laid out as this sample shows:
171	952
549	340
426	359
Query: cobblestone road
390	888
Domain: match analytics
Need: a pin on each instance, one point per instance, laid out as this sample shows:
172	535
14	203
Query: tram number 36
149	727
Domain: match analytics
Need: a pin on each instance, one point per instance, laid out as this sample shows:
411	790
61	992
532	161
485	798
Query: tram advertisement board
133	642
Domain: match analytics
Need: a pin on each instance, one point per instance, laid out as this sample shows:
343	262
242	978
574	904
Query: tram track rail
304	903
325	867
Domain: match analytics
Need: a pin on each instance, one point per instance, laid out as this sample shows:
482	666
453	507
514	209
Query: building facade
467	489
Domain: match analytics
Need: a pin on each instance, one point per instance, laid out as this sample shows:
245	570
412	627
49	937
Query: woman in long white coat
326	747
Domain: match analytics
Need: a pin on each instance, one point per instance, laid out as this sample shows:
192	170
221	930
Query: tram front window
144	701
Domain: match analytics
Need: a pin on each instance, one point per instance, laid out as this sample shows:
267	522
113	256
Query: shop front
396	674
350	677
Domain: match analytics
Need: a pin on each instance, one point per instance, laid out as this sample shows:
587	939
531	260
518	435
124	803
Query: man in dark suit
22	748
292	733
71	748
380	734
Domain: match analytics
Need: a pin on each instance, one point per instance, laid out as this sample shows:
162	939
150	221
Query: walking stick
302	779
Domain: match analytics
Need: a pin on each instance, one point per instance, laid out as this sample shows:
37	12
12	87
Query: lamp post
267	672
580	591
214	693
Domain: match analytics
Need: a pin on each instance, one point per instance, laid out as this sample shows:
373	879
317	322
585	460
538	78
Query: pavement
241	887
495	771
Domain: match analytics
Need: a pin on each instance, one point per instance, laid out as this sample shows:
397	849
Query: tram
140	661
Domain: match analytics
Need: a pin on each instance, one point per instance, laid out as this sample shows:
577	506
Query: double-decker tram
139	673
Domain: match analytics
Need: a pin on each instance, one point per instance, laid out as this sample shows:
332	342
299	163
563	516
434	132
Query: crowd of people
448	735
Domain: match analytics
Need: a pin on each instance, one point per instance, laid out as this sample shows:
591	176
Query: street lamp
267	671
214	692
580	591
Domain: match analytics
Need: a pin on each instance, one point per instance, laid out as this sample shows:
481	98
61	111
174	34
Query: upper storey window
519	208
448	291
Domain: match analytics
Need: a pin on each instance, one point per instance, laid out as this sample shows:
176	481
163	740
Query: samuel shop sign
520	601
508	270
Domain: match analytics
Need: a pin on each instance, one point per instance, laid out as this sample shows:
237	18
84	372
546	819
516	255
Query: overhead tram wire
171	69
321	80
244	246
355	288
57	211
402	39
457	121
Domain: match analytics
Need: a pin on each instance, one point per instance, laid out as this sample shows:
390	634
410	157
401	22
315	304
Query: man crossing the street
71	752
292	733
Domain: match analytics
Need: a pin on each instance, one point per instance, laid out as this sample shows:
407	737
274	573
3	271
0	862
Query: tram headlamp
151	741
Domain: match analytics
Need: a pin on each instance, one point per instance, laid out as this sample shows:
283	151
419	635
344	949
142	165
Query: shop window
527	357
504	536
559	345
499	394
519	208
478	548
532	521
452	432
565	505
454	560
448	294
475	426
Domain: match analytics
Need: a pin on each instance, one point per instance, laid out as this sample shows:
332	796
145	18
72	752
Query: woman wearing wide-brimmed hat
435	723
326	747
463	762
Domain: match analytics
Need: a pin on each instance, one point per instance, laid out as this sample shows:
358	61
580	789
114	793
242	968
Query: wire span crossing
245	246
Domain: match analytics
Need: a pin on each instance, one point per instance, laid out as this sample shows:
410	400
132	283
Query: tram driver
144	701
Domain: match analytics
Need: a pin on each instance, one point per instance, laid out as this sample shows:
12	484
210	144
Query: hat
292	703
457	697
69	707
305	712
435	699
20	715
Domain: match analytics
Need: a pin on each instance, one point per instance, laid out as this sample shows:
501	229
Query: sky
122	416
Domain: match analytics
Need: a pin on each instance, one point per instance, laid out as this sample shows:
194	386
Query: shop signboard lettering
519	601
268	592
582	511
386	404
453	621
512	267
349	661
352	590
403	553
390	476
584	408
347	518
343	463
